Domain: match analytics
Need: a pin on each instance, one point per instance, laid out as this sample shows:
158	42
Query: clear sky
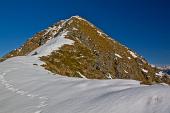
142	25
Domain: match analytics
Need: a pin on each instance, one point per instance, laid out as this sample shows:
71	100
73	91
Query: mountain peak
76	48
77	16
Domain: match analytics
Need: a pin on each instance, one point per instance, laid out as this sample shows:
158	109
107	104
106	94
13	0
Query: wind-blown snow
52	45
26	88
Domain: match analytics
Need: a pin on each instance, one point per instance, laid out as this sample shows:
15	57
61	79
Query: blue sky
142	25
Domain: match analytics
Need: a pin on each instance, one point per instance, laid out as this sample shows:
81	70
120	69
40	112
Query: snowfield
28	88
53	44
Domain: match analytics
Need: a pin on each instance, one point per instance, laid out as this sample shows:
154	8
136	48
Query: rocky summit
76	48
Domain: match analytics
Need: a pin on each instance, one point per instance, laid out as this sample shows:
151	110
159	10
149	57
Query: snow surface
27	88
125	71
160	73
109	76
129	58
82	75
133	54
118	55
145	71
52	45
100	33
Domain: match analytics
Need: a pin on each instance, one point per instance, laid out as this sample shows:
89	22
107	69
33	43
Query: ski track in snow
43	99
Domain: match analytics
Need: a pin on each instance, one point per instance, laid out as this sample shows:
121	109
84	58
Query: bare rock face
93	55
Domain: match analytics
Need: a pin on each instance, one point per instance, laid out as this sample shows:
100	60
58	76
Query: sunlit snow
26	88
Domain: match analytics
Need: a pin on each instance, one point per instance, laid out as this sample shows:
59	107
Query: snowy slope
27	88
52	45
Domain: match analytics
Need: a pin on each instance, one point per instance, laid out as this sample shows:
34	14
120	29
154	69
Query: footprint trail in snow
43	99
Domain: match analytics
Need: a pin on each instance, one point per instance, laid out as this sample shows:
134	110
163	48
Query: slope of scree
94	55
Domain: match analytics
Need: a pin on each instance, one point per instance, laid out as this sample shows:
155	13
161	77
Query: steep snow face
28	88
52	45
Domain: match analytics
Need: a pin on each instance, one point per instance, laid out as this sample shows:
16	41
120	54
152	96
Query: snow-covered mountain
165	69
76	48
29	82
